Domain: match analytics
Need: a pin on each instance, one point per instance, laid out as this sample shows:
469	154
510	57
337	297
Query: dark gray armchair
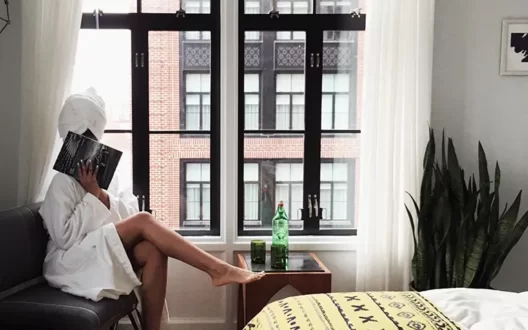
27	302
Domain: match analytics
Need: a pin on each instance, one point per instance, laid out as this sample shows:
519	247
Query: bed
448	309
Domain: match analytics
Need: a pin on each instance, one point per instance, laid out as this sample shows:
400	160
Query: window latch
356	13
316	207
180	13
97	13
309	206
274	13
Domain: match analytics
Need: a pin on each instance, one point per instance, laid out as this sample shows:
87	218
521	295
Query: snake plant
461	236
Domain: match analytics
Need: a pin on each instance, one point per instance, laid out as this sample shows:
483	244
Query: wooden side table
306	273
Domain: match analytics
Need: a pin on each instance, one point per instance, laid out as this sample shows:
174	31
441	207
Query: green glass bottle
279	242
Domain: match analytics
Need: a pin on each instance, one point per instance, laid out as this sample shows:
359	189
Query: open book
77	147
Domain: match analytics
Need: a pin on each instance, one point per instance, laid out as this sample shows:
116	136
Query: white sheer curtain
50	29
397	107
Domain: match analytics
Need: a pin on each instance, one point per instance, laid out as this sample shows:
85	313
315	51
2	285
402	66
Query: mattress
475	309
447	309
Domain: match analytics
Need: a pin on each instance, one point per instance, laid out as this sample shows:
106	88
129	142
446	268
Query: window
197	195
308	65
251	191
197	102
197	7
290	101
252	7
335	101
252	101
334	193
335	7
292	7
289	189
160	79
283	6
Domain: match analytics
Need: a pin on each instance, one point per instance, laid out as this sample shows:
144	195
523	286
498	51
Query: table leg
240	313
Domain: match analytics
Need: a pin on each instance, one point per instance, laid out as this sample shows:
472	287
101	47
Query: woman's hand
88	178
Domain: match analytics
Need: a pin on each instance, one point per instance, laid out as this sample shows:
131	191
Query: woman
97	235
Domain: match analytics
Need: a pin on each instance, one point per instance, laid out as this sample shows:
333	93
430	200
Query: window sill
304	243
297	243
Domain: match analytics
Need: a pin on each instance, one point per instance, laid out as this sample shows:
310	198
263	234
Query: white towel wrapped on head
83	111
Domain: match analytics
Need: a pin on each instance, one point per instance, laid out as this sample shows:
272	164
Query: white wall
10	49
472	102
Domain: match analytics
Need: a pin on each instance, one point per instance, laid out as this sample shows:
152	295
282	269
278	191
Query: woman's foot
229	274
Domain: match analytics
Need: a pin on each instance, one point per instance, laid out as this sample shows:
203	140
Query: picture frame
514	47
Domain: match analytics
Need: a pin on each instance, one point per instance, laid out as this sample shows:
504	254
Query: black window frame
314	25
140	24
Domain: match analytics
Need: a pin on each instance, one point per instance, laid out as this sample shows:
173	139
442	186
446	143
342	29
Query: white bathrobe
85	256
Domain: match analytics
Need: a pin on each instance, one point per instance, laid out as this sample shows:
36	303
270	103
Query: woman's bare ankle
229	274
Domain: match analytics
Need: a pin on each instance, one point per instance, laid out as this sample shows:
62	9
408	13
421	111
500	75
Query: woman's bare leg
154	277
143	227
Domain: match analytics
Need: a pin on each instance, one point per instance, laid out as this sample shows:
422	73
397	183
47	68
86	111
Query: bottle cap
281	203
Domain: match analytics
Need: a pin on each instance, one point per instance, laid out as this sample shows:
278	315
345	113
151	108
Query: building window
334	192
292	7
197	191
251	193
335	101
197	101
252	100
197	7
252	7
336	7
289	188
289	110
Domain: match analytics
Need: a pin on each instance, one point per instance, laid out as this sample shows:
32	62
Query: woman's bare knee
133	230
146	252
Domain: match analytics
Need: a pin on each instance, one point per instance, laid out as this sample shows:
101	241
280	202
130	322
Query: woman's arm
66	220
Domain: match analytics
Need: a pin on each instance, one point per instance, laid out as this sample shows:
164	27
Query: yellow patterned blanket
354	310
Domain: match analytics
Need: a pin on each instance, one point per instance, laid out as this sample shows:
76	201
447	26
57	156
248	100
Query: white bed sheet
475	309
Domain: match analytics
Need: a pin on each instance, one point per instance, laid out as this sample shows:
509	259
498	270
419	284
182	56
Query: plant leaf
484	209
474	257
499	237
513	239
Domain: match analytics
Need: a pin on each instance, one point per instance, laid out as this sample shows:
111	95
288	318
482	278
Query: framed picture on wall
514	50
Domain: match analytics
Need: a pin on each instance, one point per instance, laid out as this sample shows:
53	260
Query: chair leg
135	318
